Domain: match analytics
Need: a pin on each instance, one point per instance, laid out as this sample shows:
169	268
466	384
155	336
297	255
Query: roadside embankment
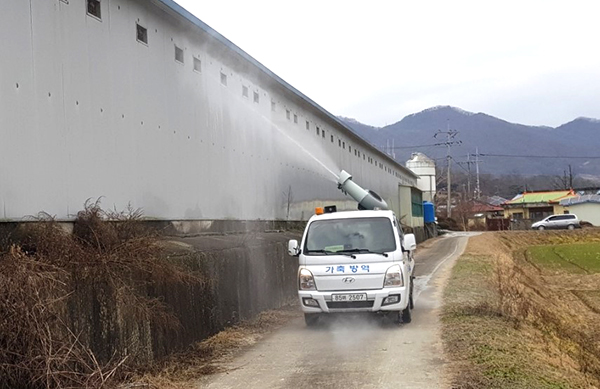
520	311
83	307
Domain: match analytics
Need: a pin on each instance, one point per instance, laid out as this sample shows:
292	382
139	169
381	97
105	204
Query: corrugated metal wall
86	110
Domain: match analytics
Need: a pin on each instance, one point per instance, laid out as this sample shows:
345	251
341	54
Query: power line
450	134
460	164
539	156
417	146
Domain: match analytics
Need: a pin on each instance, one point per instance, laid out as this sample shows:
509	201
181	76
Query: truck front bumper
388	299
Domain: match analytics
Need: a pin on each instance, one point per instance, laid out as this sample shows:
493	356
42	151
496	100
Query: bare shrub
54	285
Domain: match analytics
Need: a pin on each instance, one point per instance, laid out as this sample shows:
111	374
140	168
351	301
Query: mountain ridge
535	150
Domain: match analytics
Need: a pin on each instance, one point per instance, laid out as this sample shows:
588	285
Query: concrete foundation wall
243	275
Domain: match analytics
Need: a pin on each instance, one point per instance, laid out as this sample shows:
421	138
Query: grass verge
507	325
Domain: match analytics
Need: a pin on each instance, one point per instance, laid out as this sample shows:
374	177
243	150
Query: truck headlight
393	277
306	280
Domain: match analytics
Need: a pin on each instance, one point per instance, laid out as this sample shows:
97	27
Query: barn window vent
178	54
141	34
93	8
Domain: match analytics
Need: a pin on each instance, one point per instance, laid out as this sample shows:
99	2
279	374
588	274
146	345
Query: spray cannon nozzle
366	199
344	176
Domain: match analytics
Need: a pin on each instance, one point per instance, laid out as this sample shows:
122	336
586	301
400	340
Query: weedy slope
520	311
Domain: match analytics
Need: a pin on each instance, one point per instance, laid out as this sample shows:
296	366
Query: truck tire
411	300
311	319
406	315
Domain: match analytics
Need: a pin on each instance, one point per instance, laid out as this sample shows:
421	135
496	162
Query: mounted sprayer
366	199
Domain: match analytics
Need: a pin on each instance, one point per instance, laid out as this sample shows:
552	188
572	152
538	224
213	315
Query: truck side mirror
410	242
293	248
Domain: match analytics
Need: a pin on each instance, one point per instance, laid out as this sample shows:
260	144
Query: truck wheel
311	319
411	301
394	317
406	315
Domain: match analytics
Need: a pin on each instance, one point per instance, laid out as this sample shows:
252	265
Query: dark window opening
331	138
318	131
178	54
256	97
307	125
288	114
197	65
244	91
142	34
224	79
93	8
323	133
295	118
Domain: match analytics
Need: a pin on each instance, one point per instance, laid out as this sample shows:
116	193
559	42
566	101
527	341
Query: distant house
586	207
534	206
473	215
493	200
481	211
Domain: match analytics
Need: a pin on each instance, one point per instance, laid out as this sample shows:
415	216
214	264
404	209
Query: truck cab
355	261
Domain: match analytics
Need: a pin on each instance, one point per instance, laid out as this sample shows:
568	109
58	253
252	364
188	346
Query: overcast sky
529	62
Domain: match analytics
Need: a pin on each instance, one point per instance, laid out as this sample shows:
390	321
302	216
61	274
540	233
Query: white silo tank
424	167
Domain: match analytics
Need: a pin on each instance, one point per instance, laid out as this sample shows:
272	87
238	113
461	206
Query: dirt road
356	351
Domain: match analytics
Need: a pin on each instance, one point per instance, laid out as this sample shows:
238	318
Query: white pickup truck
355	261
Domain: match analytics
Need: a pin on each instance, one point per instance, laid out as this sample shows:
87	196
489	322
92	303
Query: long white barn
140	102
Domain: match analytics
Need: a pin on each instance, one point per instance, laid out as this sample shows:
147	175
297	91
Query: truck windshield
359	235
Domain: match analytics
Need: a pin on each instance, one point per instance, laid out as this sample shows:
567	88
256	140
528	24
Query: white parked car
566	221
355	261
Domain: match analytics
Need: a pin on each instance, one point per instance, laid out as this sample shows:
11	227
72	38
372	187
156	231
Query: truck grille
349	304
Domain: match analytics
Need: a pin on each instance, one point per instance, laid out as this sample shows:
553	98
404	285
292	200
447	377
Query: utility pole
570	178
468	162
450	134
477	160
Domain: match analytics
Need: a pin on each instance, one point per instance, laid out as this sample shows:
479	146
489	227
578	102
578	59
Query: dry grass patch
505	325
591	299
46	275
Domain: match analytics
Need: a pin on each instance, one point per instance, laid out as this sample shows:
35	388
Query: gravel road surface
356	351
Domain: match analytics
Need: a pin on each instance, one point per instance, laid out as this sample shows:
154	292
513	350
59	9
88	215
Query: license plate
349	297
